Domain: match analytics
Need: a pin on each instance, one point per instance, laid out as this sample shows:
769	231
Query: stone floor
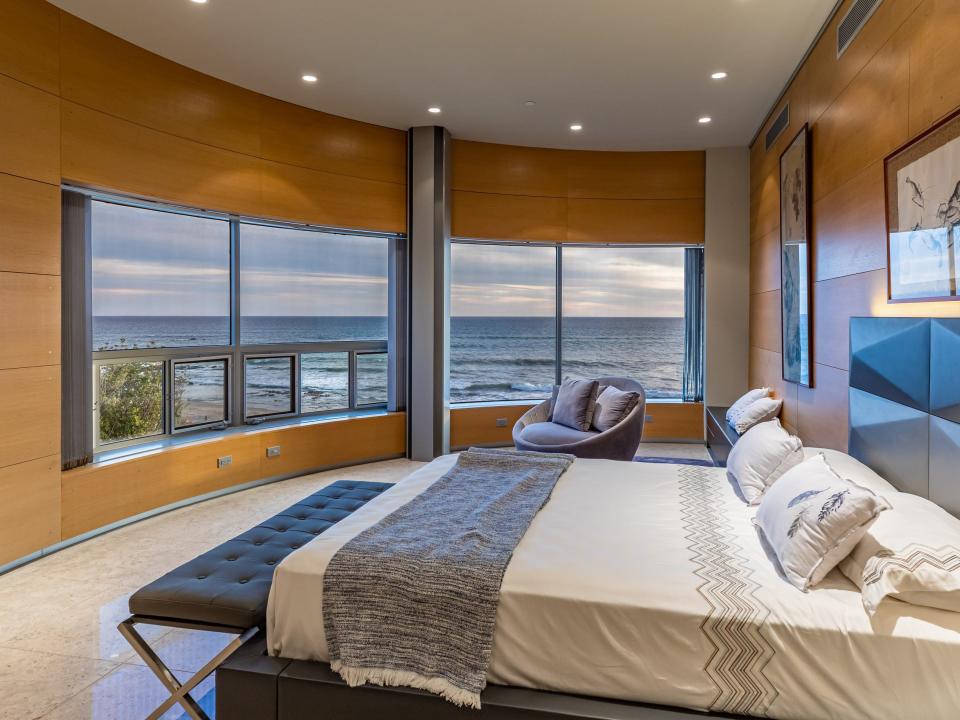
61	657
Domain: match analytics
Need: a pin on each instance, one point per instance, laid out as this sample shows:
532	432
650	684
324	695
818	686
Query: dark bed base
253	686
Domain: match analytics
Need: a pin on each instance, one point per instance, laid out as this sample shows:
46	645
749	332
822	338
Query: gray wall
727	273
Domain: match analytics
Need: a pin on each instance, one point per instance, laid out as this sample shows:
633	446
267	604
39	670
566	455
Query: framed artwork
795	287
922	181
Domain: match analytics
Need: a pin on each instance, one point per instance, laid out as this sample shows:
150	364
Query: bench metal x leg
180	692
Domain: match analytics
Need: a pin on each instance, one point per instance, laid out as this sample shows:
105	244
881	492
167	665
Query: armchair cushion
574	404
551	434
612	406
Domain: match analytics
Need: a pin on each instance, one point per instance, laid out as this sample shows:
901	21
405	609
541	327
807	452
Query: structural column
428	405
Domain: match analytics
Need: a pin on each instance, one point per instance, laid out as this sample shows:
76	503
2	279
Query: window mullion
236	391
558	313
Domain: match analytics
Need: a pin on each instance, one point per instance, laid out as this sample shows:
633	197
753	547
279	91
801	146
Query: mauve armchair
534	431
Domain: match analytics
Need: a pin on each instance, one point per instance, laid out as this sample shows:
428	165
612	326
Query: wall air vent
779	125
853	22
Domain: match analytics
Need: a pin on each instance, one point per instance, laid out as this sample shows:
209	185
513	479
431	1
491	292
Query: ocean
491	358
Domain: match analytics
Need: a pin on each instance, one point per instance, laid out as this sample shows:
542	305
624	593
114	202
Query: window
622	311
185	305
623	314
503	330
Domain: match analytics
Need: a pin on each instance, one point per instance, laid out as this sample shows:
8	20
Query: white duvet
649	583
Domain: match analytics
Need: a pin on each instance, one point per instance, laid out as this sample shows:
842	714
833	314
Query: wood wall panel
301	194
509	217
29	507
765	163
848	138
674	421
29	226
298	136
934	59
765	321
766	370
29	43
105	73
765	263
640	175
29	132
635	221
823	410
333	443
104	152
841	299
508	169
850	228
30	422
100	494
478	425
30	333
893	82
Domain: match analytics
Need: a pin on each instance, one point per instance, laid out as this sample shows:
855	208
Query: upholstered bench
226	589
720	436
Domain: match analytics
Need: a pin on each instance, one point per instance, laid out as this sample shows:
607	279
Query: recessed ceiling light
436	110
719	75
199	2
530	103
576	127
705	119
309	78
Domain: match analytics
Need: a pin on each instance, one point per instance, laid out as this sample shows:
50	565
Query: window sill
520	403
202	436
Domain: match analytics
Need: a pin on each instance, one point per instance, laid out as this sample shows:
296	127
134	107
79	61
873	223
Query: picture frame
922	202
796	288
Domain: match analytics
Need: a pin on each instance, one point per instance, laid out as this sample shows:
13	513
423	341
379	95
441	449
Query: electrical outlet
224	461
501	422
648	418
273	451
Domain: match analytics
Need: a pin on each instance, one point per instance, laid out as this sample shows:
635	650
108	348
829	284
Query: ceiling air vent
853	21
779	125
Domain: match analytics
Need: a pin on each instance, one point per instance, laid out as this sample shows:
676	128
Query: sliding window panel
160	279
269	386
200	395
324	382
623	315
372	379
129	400
503	339
302	286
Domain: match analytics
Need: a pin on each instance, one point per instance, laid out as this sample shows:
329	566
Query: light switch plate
273	451
224	461
501	422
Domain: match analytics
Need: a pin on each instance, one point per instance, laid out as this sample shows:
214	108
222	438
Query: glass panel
623	315
307	286
502	324
160	279
130	400
199	393
371	378
269	386
324	381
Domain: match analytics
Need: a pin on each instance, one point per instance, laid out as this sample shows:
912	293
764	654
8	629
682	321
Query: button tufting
271	562
243	581
201	577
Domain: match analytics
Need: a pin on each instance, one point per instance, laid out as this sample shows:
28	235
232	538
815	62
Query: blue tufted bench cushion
229	585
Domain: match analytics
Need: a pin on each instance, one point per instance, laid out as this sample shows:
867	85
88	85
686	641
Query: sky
153	263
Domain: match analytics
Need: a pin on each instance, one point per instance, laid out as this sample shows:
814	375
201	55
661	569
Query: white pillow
911	553
758	411
849	468
761	456
748	398
812	518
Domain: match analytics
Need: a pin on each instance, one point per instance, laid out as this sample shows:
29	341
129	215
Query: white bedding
649	583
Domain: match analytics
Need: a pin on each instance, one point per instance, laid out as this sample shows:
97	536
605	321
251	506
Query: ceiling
634	73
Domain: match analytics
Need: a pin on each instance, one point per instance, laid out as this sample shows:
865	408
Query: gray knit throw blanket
412	600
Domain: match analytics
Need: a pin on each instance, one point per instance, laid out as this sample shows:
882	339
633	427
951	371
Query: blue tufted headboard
905	403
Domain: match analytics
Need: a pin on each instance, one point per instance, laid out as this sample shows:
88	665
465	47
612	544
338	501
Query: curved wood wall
507	192
895	80
78	104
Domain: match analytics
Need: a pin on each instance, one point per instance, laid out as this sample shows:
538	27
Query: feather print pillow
812	518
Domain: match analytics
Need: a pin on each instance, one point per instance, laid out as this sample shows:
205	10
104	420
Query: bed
649	583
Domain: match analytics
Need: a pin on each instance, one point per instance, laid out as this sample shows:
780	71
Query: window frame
236	353
227	399
558	303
